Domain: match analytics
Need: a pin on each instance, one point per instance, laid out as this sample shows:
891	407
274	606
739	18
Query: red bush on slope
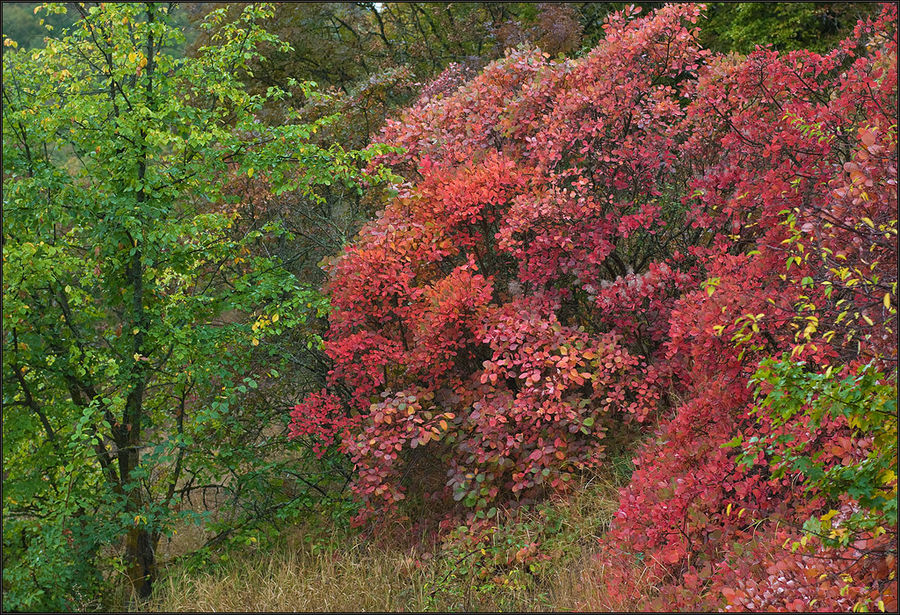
807	175
510	305
536	282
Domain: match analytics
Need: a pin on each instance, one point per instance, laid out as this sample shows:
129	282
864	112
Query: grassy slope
324	568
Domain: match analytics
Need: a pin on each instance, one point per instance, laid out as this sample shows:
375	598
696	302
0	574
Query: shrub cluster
648	234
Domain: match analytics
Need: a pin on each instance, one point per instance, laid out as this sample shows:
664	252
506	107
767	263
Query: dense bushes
806	179
580	243
492	302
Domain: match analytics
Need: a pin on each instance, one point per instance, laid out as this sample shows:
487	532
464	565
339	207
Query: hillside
450	307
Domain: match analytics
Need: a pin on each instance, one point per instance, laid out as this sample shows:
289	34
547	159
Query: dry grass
295	579
331	571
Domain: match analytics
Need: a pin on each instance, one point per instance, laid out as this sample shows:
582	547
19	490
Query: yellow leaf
255	342
869	222
250	172
275	318
728	510
887	301
443	425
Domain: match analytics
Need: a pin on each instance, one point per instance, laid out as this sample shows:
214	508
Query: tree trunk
140	554
140	543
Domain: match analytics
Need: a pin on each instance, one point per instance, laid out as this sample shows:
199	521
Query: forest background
404	294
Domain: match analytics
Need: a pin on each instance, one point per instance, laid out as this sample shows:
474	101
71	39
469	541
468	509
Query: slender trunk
140	542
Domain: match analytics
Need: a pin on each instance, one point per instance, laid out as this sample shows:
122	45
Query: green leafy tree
137	305
817	26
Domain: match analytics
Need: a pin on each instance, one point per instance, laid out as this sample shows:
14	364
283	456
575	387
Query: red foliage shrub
321	416
536	282
807	250
510	304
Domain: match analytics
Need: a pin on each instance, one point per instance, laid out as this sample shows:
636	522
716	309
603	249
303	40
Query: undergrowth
535	558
